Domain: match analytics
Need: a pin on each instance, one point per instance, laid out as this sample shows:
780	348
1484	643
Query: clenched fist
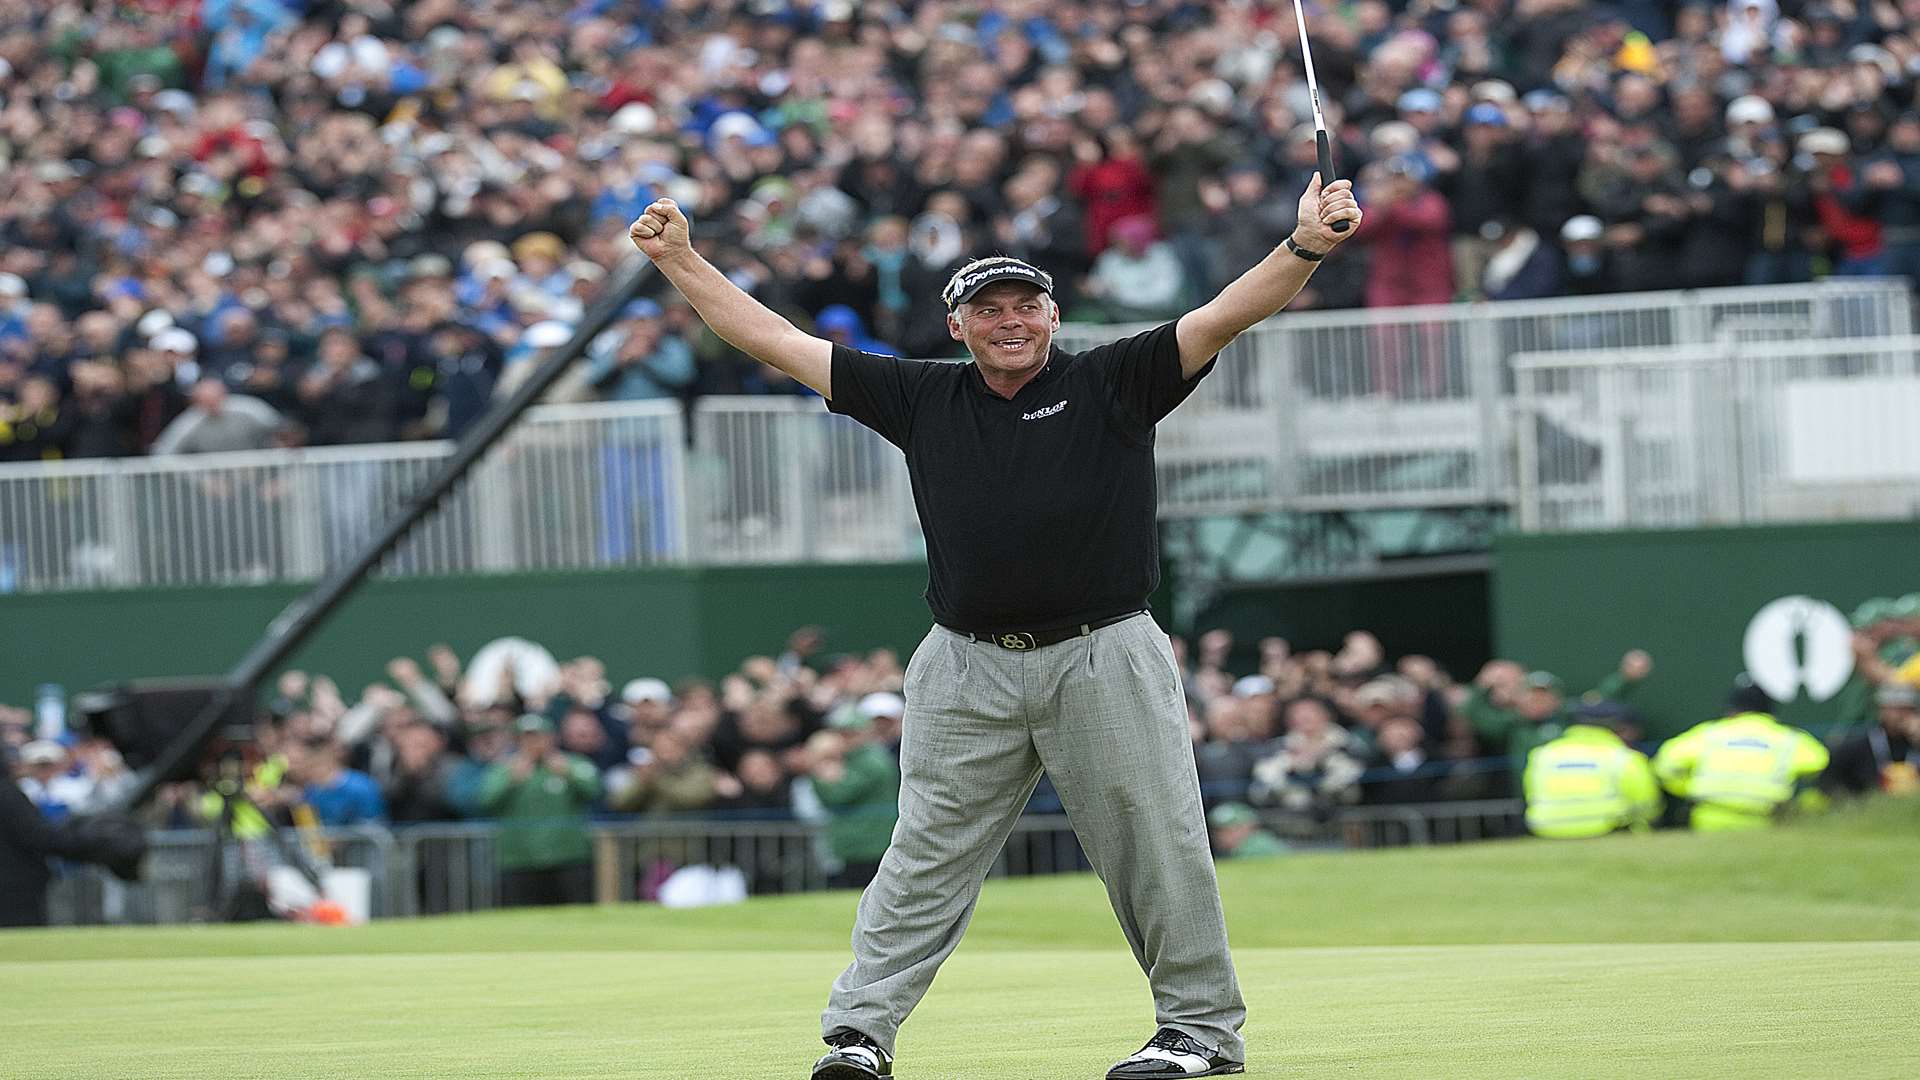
660	231
1320	210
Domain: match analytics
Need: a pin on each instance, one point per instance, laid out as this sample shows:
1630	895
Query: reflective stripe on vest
1573	789
1746	771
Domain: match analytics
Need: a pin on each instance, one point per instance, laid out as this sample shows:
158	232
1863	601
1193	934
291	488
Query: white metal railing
783	480
576	486
1724	433
1406	407
1401	407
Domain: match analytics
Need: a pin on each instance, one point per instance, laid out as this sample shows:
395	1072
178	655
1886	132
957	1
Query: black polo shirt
1039	510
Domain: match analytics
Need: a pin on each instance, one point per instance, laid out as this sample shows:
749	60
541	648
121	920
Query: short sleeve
1142	373
878	391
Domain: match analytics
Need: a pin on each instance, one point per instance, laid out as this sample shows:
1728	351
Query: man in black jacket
347	398
28	840
1890	192
1885	757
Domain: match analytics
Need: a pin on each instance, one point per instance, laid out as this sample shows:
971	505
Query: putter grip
1325	146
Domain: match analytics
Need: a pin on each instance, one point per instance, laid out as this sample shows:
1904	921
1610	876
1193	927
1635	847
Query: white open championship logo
1796	643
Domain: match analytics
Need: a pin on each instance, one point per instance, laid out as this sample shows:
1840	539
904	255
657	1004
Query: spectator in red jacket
1409	227
1407	224
1856	238
1111	178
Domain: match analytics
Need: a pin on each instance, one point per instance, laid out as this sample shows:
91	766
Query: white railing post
797	500
1616	435
1280	382
1692	319
674	434
1484	376
120	532
1526	426
303	524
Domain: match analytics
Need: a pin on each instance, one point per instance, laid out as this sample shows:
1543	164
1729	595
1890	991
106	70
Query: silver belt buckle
1016	642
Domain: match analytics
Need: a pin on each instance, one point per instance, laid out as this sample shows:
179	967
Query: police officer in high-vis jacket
1741	769
1588	781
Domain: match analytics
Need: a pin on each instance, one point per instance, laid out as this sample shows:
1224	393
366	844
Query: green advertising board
1707	603
661	622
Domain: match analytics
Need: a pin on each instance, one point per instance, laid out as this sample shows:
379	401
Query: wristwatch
1310	256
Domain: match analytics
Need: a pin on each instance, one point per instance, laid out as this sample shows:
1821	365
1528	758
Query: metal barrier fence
446	868
175	885
1406	407
1723	433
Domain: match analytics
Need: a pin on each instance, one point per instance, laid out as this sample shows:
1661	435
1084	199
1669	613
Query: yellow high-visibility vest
248	823
1739	770
1588	782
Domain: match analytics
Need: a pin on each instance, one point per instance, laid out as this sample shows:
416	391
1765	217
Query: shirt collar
1048	372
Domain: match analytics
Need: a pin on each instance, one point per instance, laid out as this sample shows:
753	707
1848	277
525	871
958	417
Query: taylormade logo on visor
971	278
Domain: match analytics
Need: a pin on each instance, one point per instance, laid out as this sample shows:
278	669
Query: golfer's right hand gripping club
1321	142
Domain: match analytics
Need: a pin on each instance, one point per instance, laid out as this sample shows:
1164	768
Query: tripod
239	900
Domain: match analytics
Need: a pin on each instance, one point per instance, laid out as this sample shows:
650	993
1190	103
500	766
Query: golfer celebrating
1032	473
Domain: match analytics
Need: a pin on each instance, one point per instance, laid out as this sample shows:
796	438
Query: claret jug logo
1798	643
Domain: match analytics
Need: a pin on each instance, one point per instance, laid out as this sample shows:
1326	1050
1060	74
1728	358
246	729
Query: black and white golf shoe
854	1057
1172	1052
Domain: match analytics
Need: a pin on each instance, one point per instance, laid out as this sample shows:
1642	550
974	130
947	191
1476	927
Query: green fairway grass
1790	954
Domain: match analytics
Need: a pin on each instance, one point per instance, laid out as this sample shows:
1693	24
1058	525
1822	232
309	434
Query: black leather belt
1028	640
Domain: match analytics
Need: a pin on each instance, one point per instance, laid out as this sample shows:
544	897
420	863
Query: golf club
1321	142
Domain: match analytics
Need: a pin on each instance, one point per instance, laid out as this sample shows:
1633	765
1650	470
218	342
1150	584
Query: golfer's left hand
1320	209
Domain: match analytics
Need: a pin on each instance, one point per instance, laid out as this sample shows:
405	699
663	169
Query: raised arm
661	234
1273	283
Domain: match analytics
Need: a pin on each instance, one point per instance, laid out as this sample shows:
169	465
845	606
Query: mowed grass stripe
1849	877
1667	1011
1790	954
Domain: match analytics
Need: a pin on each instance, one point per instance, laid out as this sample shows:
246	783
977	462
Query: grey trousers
1104	714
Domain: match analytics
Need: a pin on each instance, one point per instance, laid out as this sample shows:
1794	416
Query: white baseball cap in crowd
153	323
1751	109
175	101
1584	227
736	123
175	340
639	690
1377	692
1497	90
13	286
883	704
1825	140
1250	685
482	252
635	118
494	270
43	752
546	335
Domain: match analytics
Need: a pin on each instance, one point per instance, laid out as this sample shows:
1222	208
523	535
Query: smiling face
1008	327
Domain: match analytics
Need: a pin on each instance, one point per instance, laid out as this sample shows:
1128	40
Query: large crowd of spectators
230	224
808	734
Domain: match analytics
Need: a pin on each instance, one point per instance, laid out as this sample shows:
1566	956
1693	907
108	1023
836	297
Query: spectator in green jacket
541	796
1517	711
667	776
1237	833
859	784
